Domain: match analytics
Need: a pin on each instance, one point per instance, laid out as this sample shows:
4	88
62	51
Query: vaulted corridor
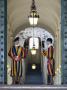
34	39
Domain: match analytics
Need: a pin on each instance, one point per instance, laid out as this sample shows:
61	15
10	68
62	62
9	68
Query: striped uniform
16	66
50	62
50	52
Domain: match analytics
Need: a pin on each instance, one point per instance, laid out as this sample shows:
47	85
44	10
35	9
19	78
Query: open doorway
33	70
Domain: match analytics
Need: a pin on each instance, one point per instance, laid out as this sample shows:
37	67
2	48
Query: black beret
49	39
16	39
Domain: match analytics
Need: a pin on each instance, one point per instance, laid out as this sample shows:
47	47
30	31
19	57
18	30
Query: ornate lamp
33	51
33	17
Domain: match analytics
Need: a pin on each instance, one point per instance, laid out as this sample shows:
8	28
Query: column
64	40
3	41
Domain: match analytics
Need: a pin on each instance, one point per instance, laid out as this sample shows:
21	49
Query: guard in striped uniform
16	53
50	62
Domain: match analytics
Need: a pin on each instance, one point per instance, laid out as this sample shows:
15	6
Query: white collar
17	45
50	45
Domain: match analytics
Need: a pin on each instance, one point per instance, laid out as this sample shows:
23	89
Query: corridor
33	40
34	76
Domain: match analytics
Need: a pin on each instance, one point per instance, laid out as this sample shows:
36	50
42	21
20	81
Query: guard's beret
16	39
49	40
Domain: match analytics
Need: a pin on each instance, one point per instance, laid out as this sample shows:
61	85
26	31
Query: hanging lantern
33	51
33	17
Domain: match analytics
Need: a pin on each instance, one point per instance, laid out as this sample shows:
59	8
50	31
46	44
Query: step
30	87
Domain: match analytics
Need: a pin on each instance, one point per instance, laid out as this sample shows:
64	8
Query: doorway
37	60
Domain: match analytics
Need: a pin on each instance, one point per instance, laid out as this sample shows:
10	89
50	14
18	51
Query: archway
38	33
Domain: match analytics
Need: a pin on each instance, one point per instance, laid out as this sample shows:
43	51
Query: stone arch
26	25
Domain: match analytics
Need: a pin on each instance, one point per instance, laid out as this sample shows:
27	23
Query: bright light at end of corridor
33	66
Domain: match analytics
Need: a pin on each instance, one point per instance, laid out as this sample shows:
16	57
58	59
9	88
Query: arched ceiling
38	32
18	11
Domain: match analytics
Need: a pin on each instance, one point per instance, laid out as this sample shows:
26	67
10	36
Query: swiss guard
50	62
16	53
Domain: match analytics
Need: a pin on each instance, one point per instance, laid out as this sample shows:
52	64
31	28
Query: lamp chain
33	7
33	30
